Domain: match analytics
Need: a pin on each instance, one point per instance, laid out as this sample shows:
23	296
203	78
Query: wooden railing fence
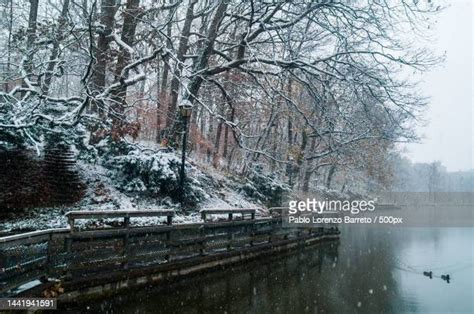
74	253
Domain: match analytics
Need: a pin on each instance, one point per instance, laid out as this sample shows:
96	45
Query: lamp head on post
185	109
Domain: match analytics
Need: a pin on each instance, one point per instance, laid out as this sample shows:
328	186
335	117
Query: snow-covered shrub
106	148
265	187
154	173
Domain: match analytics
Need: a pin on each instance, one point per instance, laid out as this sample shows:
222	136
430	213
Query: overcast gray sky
448	137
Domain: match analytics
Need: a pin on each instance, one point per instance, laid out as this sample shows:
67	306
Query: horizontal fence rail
230	212
72	216
70	253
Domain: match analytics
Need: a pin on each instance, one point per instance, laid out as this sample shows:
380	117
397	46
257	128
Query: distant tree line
429	177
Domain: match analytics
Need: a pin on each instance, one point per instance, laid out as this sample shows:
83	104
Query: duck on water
429	274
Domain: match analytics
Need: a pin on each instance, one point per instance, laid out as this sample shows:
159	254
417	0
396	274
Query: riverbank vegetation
287	97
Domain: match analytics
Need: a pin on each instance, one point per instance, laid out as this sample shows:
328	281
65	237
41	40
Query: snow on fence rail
125	214
82	254
229	211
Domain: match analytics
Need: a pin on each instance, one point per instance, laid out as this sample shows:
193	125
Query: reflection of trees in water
280	284
331	278
368	258
368	266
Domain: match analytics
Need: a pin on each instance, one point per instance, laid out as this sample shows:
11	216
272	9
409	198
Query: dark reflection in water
368	271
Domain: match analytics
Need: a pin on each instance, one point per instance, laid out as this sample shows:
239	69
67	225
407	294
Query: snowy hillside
146	178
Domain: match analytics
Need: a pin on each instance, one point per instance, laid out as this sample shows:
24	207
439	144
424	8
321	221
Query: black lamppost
185	110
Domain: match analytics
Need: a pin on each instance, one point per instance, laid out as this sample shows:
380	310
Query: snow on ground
228	196
35	219
233	199
101	194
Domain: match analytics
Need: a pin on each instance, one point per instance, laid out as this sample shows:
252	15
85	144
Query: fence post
202	235
230	238
70	221
125	249
48	255
272	226
68	249
252	233
168	239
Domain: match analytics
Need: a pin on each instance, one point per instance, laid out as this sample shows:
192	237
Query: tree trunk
203	58
331	172
217	144
119	95
55	52
9	50
108	10
182	48
163	94
306	180
290	122
226	133
30	40
309	171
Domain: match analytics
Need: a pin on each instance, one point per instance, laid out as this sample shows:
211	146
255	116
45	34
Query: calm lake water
369	271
